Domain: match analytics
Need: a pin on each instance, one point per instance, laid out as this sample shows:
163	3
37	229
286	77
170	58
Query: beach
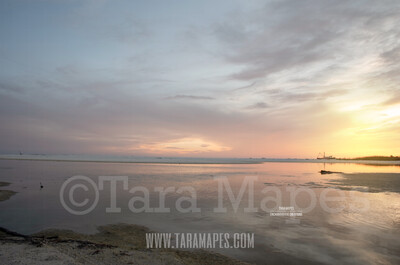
114	244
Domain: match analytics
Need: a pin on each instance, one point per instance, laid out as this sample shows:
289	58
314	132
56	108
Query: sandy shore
114	244
5	194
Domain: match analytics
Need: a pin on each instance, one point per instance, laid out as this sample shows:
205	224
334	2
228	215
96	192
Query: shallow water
363	227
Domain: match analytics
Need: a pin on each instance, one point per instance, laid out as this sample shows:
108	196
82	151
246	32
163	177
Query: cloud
122	122
299	35
302	96
392	101
258	105
190	97
269	81
184	146
11	88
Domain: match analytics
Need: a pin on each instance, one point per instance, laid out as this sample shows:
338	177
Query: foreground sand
114	244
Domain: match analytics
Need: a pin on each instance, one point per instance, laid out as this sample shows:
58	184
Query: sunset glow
183	146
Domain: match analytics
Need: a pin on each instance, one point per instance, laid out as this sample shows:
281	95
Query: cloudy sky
200	78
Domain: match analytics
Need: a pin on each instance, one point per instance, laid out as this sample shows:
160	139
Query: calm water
365	229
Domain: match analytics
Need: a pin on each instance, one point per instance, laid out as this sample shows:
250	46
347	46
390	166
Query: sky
251	78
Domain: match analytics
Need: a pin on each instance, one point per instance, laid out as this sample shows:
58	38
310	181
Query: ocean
349	216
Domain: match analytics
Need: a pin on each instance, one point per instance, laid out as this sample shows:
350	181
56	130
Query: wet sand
371	182
5	194
113	244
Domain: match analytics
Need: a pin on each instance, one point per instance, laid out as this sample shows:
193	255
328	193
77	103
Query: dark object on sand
41	186
328	172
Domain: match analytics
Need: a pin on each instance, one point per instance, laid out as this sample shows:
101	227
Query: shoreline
132	162
113	244
200	161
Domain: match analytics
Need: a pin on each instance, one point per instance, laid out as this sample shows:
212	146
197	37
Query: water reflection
349	236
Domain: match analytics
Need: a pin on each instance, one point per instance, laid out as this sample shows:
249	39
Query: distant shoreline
133	161
200	161
374	158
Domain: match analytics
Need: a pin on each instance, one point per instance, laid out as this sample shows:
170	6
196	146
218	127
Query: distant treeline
375	158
